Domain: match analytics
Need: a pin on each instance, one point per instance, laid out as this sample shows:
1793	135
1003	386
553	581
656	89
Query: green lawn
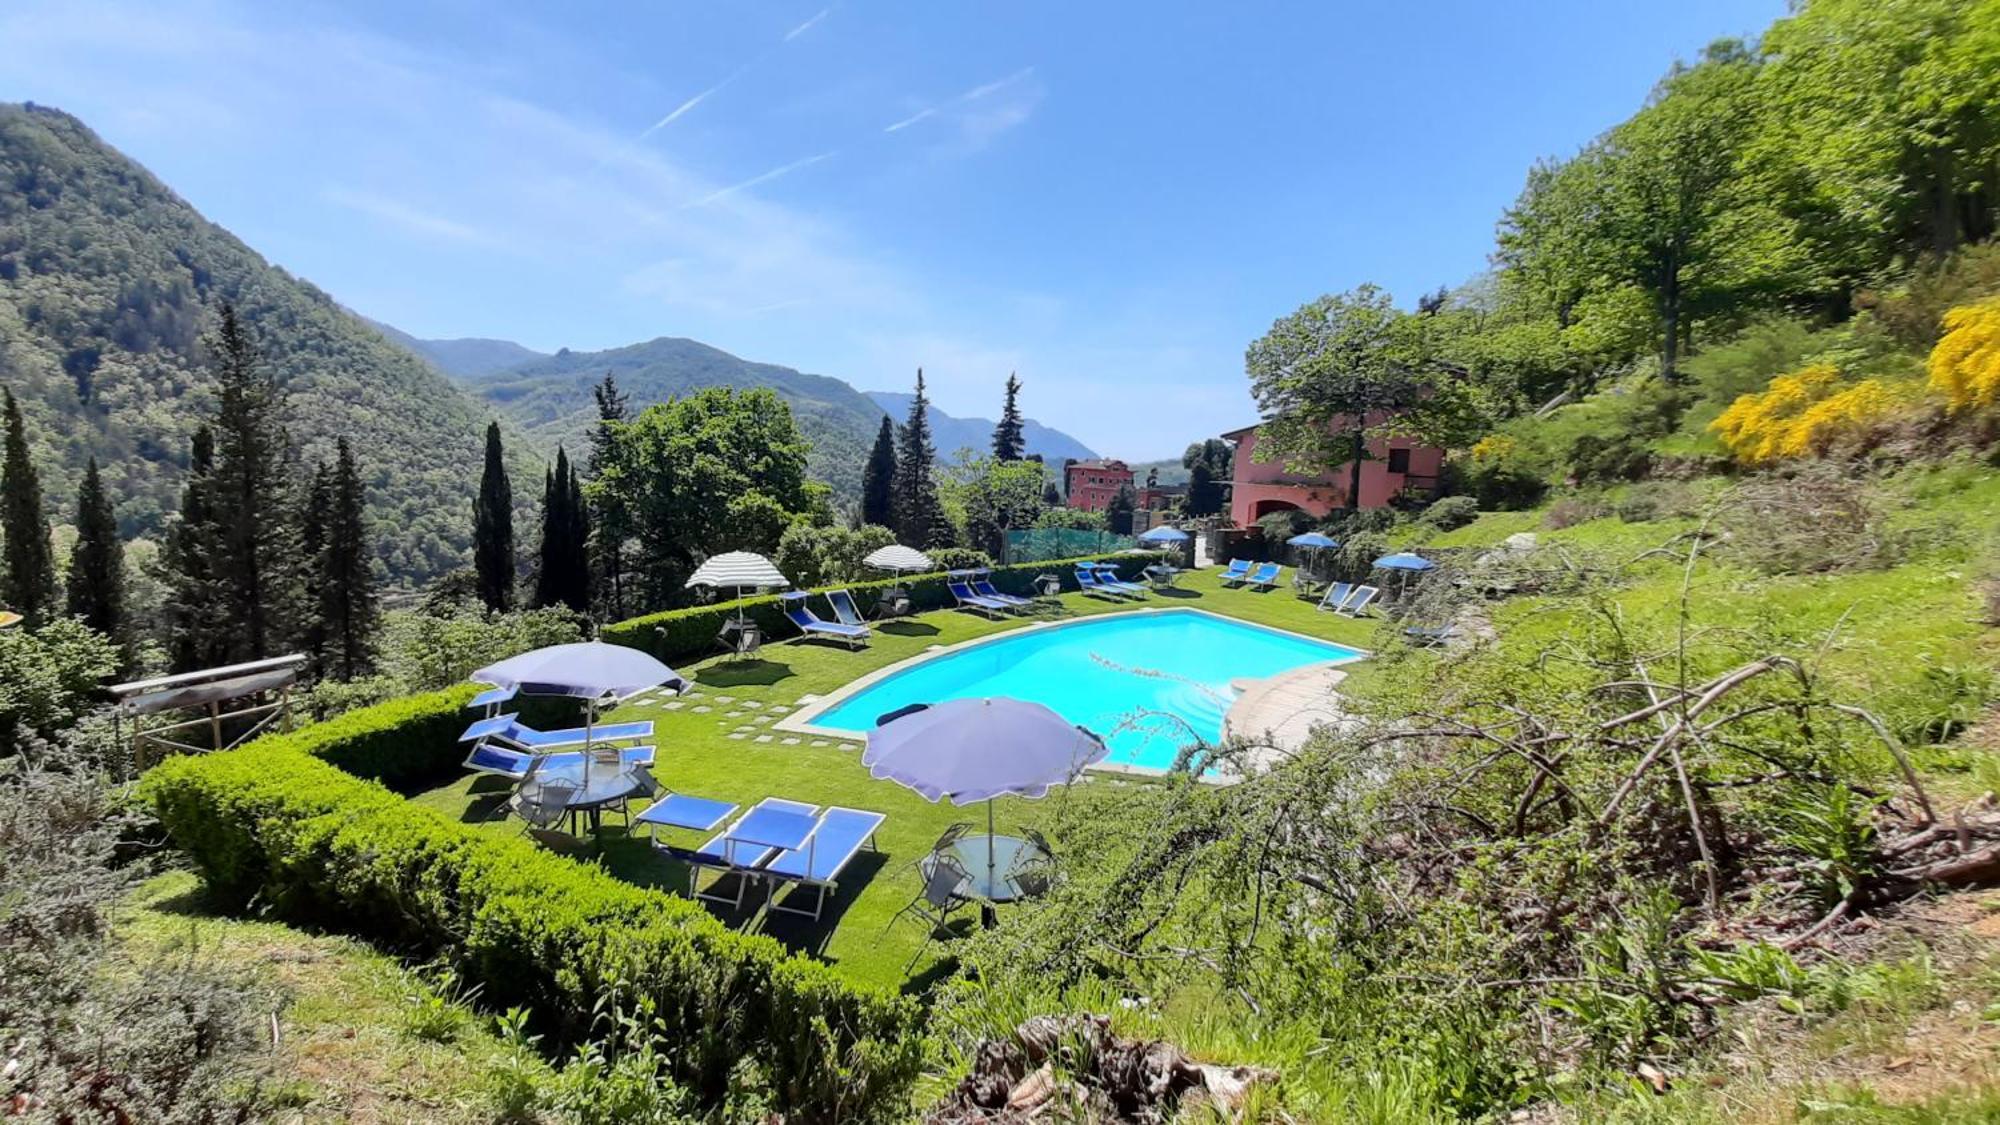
698	755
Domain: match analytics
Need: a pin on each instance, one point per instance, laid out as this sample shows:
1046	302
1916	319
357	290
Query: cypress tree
1051	495
97	562
197	634
28	580
258	564
562	576
577	546
612	527
878	478
548	577
1118	510
920	518
314	520
493	528
1009	438
347	603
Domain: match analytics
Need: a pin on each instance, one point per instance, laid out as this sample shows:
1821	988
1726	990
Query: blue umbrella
1164	534
1312	539
1404	561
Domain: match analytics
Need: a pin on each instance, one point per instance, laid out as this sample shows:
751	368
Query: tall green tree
878	478
1329	376
348	605
493	527
718	470
190	570
97	562
1118	510
1009	438
315	519
28	581
258	561
1208	464
993	497
611	530
562	575
920	518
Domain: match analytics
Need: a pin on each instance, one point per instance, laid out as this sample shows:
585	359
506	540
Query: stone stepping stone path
703	710
725	699
763	738
745	729
738	737
674	705
821	742
788	741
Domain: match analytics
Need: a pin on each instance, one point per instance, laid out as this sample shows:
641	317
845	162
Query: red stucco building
1395	466
1091	484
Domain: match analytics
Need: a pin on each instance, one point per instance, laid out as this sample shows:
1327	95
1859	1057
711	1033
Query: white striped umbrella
898	559
738	570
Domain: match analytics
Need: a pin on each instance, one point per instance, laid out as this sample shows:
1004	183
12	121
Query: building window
1399	460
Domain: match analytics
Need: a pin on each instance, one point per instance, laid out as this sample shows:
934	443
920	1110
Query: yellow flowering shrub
1492	447
1803	413
1965	365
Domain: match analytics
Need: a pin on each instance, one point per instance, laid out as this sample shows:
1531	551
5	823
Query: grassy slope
344	1055
698	756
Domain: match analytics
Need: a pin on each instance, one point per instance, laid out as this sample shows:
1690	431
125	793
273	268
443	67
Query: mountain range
108	281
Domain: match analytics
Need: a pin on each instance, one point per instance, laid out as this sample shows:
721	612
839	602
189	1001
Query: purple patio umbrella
968	750
591	671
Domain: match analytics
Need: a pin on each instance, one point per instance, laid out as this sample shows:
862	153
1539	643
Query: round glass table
990	883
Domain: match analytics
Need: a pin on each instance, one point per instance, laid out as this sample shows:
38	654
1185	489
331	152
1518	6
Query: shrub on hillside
1915	315
1965	365
1819	518
815	556
1452	512
1810	412
1572	510
960	558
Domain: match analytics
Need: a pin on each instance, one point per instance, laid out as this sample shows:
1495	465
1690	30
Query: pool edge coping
800	721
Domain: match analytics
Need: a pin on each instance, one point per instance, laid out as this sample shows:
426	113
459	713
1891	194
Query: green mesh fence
1039	543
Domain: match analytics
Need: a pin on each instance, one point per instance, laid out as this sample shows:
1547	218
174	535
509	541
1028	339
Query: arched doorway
1264	508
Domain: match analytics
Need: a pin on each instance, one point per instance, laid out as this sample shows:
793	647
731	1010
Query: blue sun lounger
1086	580
1107	577
810	625
719	853
982	584
841	835
508	730
959	582
1237	571
1336	596
515	764
1265	577
844	609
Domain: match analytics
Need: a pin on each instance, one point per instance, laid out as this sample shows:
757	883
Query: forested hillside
953	434
550	398
108	282
467	357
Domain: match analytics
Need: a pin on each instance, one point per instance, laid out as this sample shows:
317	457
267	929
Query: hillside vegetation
108	283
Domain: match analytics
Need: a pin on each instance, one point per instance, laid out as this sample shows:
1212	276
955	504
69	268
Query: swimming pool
1149	682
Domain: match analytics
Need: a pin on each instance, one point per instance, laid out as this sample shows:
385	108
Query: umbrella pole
990	886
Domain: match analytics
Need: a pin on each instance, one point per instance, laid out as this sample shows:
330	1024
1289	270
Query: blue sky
1112	199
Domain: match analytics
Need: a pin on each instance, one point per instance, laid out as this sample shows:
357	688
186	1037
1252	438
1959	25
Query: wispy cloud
912	120
808	25
409	218
981	112
682	109
764	178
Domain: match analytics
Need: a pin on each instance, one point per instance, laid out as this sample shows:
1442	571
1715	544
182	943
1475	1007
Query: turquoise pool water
1150	683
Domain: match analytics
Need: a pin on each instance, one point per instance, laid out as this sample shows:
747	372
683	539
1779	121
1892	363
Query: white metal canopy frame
256	694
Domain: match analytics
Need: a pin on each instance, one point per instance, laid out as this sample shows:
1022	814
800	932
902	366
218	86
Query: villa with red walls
1394	466
1091	484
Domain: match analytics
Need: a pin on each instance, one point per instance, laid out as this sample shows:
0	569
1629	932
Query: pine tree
258	565
920	520
493	528
28	580
347	602
1009	439
613	526
315	518
561	574
197	634
878	478
97	562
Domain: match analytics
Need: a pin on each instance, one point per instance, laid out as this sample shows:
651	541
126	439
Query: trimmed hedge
678	634
277	822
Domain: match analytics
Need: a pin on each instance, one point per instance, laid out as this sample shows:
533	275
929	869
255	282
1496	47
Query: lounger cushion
495	759
841	834
487	728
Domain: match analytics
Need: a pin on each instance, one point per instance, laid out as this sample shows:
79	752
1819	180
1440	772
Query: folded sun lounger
1265	577
842	833
853	636
1087	581
1336	595
1237	571
515	764
508	730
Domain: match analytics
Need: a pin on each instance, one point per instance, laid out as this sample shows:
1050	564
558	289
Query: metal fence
1041	543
